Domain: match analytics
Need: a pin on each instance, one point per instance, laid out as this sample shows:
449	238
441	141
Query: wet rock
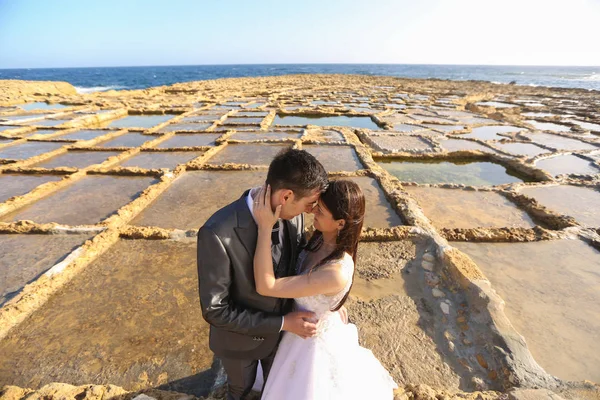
445	308
478	383
412	357
532	394
429	257
143	397
431	279
428	266
481	361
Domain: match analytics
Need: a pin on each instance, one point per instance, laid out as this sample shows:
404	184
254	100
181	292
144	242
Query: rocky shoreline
456	316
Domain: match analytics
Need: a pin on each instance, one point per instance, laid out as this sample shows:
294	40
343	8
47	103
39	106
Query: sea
88	80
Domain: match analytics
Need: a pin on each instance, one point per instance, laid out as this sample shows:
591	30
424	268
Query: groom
245	327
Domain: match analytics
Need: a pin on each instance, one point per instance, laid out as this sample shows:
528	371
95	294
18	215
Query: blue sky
82	33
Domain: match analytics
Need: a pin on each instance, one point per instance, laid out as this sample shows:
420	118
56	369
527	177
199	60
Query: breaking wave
85	90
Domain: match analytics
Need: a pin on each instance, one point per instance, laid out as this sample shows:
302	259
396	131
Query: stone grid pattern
428	111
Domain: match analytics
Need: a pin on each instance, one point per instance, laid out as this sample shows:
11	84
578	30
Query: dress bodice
322	304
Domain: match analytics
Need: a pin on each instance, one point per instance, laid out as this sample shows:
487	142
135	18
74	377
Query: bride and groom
275	300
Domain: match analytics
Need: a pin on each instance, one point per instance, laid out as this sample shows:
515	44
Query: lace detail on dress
322	304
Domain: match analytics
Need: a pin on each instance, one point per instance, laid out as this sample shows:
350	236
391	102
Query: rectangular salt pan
355	122
84	202
137	294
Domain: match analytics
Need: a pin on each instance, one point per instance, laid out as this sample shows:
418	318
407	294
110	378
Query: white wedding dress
330	365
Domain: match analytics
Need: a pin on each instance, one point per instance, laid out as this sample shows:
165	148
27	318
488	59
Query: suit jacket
243	324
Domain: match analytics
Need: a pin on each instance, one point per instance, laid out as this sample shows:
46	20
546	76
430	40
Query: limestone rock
64	391
13	393
12	90
424	392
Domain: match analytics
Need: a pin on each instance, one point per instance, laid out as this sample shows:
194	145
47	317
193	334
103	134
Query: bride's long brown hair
344	199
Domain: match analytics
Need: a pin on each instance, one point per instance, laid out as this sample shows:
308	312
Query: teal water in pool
467	173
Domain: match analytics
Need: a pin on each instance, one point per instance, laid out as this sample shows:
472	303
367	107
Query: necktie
276	247
275	233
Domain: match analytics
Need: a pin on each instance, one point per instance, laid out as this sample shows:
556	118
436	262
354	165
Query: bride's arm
328	279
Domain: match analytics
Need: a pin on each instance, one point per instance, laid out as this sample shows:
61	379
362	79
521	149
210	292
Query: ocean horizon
94	79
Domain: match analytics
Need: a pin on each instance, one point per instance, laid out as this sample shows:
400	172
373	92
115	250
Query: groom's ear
286	195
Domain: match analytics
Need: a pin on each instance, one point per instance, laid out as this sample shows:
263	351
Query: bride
330	365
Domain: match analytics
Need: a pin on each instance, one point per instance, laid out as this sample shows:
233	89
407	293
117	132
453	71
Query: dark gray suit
245	326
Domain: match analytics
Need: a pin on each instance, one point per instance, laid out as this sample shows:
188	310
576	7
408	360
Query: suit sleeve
214	277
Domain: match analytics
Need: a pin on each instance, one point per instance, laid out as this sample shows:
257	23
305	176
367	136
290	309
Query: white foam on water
593	77
85	90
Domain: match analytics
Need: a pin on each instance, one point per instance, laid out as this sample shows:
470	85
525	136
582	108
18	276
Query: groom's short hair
297	170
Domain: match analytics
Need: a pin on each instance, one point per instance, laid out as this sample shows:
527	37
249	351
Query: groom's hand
296	322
